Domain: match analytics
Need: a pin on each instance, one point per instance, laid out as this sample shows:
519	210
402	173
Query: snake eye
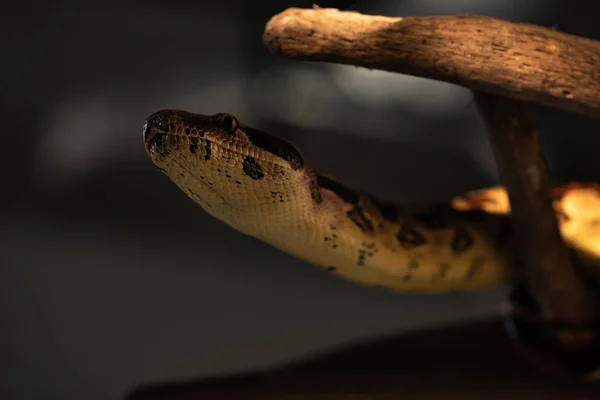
230	123
157	121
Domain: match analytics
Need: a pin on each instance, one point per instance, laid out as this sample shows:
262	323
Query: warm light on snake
261	185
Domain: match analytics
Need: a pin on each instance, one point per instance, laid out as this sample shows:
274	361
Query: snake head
166	130
228	168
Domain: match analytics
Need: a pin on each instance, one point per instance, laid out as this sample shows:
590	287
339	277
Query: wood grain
519	61
550	274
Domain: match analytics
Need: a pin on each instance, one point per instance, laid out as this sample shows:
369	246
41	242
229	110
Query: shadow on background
467	361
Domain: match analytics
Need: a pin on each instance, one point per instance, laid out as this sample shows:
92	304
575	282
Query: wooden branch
466	361
520	61
552	279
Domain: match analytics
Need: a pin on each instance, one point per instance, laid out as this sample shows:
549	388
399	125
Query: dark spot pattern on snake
476	266
412	266
461	241
442	271
361	257
365	251
330	241
278	196
410	238
345	193
193	145
388	211
207	150
358	217
315	191
274	145
252	168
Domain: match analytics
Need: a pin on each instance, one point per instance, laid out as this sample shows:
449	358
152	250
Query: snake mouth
156	137
158	145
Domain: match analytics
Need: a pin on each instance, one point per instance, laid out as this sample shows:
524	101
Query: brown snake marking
410	238
262	186
252	168
357	216
461	241
412	266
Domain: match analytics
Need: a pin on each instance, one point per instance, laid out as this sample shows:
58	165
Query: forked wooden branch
499	60
520	61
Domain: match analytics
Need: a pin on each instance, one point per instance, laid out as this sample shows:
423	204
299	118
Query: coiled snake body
262	186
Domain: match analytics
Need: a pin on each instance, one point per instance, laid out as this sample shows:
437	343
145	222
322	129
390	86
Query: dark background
110	276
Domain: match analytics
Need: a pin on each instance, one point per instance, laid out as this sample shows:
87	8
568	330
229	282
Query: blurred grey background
111	277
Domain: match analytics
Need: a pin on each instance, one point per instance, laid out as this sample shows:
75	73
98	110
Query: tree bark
552	280
520	61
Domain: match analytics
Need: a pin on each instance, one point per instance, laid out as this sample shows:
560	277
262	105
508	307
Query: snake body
262	186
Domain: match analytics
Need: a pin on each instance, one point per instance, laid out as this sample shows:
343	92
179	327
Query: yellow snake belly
261	186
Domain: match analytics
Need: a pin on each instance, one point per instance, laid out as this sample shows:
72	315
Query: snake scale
262	186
